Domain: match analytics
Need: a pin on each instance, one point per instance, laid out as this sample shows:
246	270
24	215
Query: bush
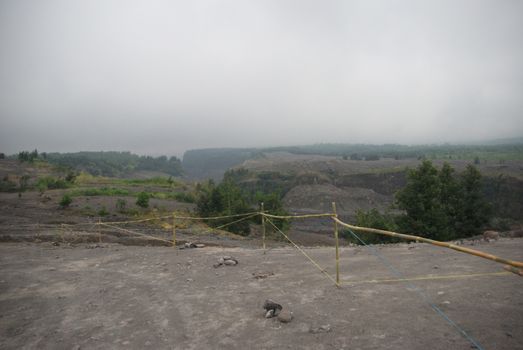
185	197
7	185
103	211
49	182
143	200
121	204
104	191
66	200
373	219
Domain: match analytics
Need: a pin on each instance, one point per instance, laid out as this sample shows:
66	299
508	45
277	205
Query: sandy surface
131	297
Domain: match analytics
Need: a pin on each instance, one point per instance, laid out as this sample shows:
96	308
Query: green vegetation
65	201
437	204
441	205
6	185
103	191
228	198
373	218
156	181
26	156
121	205
113	164
103	211
51	183
143	200
507	151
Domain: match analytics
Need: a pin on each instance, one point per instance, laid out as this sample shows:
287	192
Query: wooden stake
174	230
337	244
263	228
99	230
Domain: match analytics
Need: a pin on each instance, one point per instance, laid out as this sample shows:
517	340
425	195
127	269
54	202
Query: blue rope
420	292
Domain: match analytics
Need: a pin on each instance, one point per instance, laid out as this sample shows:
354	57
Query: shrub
373	219
185	197
7	185
143	200
121	204
49	182
66	200
103	211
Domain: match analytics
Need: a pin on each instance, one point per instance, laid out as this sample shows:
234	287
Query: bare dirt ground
101	296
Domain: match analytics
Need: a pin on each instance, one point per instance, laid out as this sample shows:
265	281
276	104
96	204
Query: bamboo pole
513	263
296	216
62	232
99	230
335	215
174	230
263	227
513	270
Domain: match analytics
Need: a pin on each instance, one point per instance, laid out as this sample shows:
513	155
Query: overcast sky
161	77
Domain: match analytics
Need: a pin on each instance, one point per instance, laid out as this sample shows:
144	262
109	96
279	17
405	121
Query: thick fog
160	77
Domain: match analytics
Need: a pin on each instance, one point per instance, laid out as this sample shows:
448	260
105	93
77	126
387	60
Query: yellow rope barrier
140	220
137	233
322	270
215	217
433	242
427	278
296	216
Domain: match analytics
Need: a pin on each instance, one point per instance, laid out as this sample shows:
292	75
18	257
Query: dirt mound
319	198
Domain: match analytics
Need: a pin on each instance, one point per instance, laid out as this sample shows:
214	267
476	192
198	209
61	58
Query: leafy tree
224	199
474	210
421	200
441	205
66	200
373	218
142	200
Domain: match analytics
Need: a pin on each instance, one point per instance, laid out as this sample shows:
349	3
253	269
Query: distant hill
213	162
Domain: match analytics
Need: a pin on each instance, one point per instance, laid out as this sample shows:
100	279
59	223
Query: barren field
100	296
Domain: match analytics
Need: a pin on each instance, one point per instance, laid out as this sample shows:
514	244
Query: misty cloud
165	76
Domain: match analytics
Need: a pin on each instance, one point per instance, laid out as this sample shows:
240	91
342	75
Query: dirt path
127	297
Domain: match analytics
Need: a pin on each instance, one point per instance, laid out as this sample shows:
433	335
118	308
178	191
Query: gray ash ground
101	296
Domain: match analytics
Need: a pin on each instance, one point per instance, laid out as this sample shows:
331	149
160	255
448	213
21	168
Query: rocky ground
100	296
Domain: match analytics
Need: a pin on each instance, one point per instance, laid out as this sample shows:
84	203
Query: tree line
110	164
436	203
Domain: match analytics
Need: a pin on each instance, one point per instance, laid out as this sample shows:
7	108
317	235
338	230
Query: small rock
285	316
273	309
490	235
261	275
435	267
200	245
441	293
321	329
446	302
230	262
189	280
